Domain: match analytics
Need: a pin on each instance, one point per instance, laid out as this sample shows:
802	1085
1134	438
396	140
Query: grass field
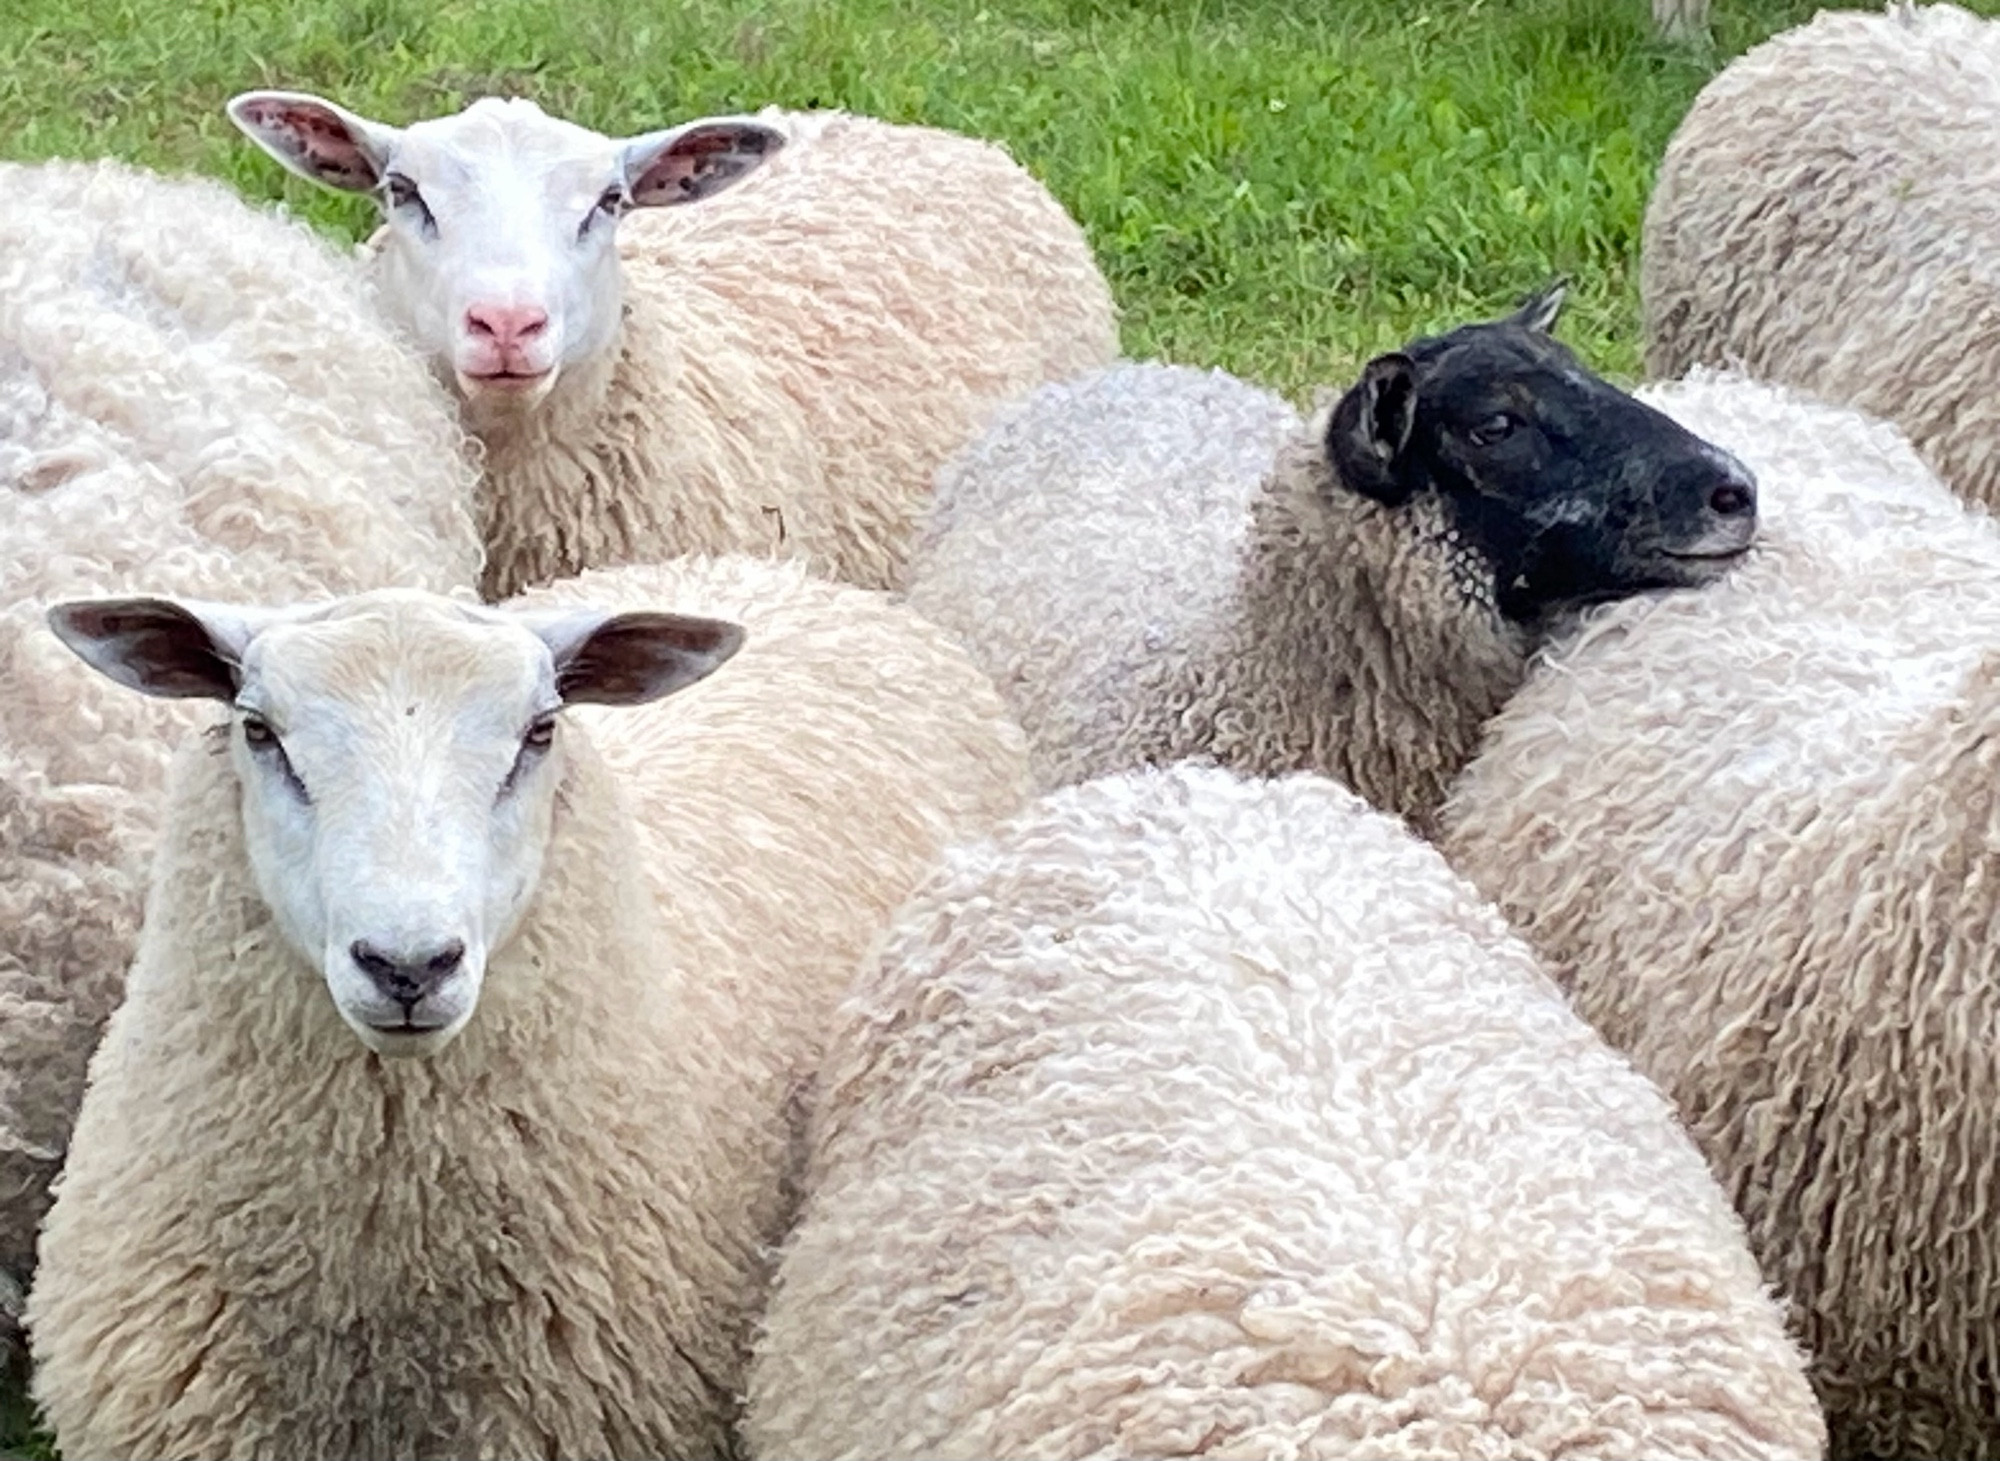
1277	188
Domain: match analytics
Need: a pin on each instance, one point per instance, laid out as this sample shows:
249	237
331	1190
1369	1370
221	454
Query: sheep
544	1232
195	395
1191	1114
790	363
1820	219
1145	584
1752	831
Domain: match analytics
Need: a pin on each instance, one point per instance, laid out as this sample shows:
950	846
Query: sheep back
551	1238
1751	829
196	397
1086	549
1825	217
1191	1114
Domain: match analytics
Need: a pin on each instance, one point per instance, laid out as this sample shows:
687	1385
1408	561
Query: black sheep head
1556	487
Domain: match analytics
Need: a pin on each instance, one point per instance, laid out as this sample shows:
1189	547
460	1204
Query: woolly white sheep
1144	584
196	396
614	938
1193	1115
1754	833
1824	218
790	363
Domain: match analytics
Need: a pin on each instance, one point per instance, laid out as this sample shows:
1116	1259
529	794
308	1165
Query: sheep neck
1363	647
550	498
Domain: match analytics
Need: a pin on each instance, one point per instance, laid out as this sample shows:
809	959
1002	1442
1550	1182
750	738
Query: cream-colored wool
800	354
196	397
548	1239
1156	563
1753	832
1193	1115
1828	216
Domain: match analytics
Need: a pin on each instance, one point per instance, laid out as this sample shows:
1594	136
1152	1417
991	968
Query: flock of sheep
666	815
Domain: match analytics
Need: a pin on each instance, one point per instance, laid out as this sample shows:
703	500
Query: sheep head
398	756
498	253
1554	487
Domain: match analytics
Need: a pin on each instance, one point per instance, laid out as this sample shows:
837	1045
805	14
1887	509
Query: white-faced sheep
1144	584
1192	1115
781	369
194	395
548	1235
1754	833
1824	217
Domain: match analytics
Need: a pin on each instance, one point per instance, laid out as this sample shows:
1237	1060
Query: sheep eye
610	203
403	194
262	740
1493	429
535	740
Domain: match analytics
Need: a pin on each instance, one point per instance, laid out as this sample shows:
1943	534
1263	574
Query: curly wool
1156	563
1753	831
195	397
1198	1115
800	354
1826	217
551	1238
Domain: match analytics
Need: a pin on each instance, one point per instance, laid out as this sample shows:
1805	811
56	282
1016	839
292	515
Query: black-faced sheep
1144	583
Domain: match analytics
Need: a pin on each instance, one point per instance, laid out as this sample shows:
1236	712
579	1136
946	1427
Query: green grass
1277	188
1281	189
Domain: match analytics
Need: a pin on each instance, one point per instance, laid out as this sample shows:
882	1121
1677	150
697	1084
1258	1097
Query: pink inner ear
318	139
695	165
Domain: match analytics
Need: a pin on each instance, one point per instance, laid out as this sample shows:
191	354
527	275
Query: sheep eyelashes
741	334
1155	563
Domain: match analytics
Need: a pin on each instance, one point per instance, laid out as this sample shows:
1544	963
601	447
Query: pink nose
505	324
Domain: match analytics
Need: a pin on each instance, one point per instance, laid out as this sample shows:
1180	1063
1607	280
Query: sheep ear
173	650
1371	426
629	659
1541	311
696	160
316	139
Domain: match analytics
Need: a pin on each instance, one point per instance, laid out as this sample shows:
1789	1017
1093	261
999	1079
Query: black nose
1733	498
407	978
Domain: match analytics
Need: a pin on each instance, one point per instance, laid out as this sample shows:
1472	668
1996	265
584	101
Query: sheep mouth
505	381
407	1027
505	391
1705	555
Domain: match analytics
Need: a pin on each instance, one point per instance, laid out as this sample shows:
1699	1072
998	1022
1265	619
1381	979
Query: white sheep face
398	756
498	256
